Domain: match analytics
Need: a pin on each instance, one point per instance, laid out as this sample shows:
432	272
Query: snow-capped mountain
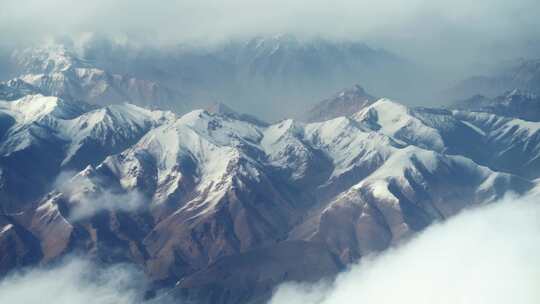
221	206
15	89
272	76
510	144
515	103
56	70
523	75
43	135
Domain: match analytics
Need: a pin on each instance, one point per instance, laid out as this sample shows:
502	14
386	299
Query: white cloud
487	255
88	205
89	194
75	281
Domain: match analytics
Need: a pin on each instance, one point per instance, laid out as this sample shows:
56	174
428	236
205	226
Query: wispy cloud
89	194
487	255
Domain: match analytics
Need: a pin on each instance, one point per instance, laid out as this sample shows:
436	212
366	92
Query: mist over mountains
269	76
269	152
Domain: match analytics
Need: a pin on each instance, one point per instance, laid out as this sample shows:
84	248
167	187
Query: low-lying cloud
75	281
89	195
486	255
88	205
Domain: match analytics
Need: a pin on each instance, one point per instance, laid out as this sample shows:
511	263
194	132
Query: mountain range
56	70
220	207
514	103
523	75
271	76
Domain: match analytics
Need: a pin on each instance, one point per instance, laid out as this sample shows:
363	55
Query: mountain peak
223	109
516	103
46	59
354	91
344	103
519	93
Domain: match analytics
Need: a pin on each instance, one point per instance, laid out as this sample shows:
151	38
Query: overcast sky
458	30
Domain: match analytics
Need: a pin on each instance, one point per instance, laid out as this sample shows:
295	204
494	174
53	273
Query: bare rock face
243	219
409	192
252	276
18	246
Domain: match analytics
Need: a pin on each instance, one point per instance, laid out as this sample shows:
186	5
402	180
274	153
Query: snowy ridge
515	103
197	146
76	122
514	143
348	144
202	153
47	59
400	123
202	148
43	135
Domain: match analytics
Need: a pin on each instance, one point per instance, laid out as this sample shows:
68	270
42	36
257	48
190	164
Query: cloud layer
425	30
75	281
488	255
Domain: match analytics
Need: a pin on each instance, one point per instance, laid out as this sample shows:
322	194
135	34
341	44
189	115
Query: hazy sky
427	30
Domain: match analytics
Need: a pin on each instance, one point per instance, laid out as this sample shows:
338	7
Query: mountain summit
344	103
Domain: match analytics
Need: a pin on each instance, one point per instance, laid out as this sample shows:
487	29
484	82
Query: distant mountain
222	109
221	207
55	70
270	76
515	103
524	75
343	103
